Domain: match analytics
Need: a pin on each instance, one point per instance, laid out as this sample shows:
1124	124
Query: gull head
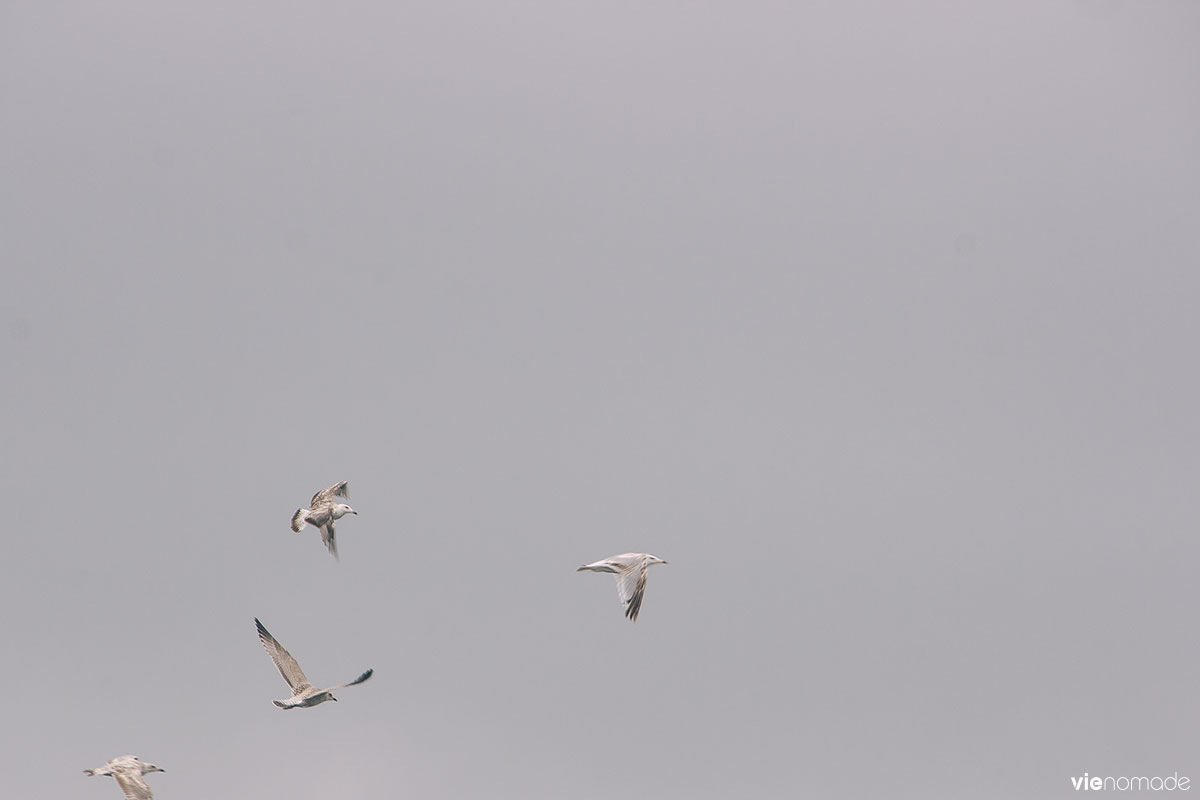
341	509
654	560
151	768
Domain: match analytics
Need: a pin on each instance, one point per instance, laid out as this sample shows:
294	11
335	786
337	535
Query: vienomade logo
1141	783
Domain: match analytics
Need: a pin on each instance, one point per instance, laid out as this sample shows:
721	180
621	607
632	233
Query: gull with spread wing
304	694
129	772
322	511
630	569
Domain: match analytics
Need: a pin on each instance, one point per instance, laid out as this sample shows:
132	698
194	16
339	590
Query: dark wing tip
635	605
329	535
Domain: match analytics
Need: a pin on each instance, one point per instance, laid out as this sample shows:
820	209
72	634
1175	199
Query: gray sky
877	321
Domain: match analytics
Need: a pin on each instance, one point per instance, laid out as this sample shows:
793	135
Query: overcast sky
878	321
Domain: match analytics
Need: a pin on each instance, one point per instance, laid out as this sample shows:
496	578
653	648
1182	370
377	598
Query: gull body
304	694
129	772
322	510
630	569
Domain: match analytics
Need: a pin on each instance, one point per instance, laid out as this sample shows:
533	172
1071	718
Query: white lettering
1125	783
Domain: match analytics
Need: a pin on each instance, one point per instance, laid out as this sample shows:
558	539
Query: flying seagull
322	511
130	773
630	569
304	694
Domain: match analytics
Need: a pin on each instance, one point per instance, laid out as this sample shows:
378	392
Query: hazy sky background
878	321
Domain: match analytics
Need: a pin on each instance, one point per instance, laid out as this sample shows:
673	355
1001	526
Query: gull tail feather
298	520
